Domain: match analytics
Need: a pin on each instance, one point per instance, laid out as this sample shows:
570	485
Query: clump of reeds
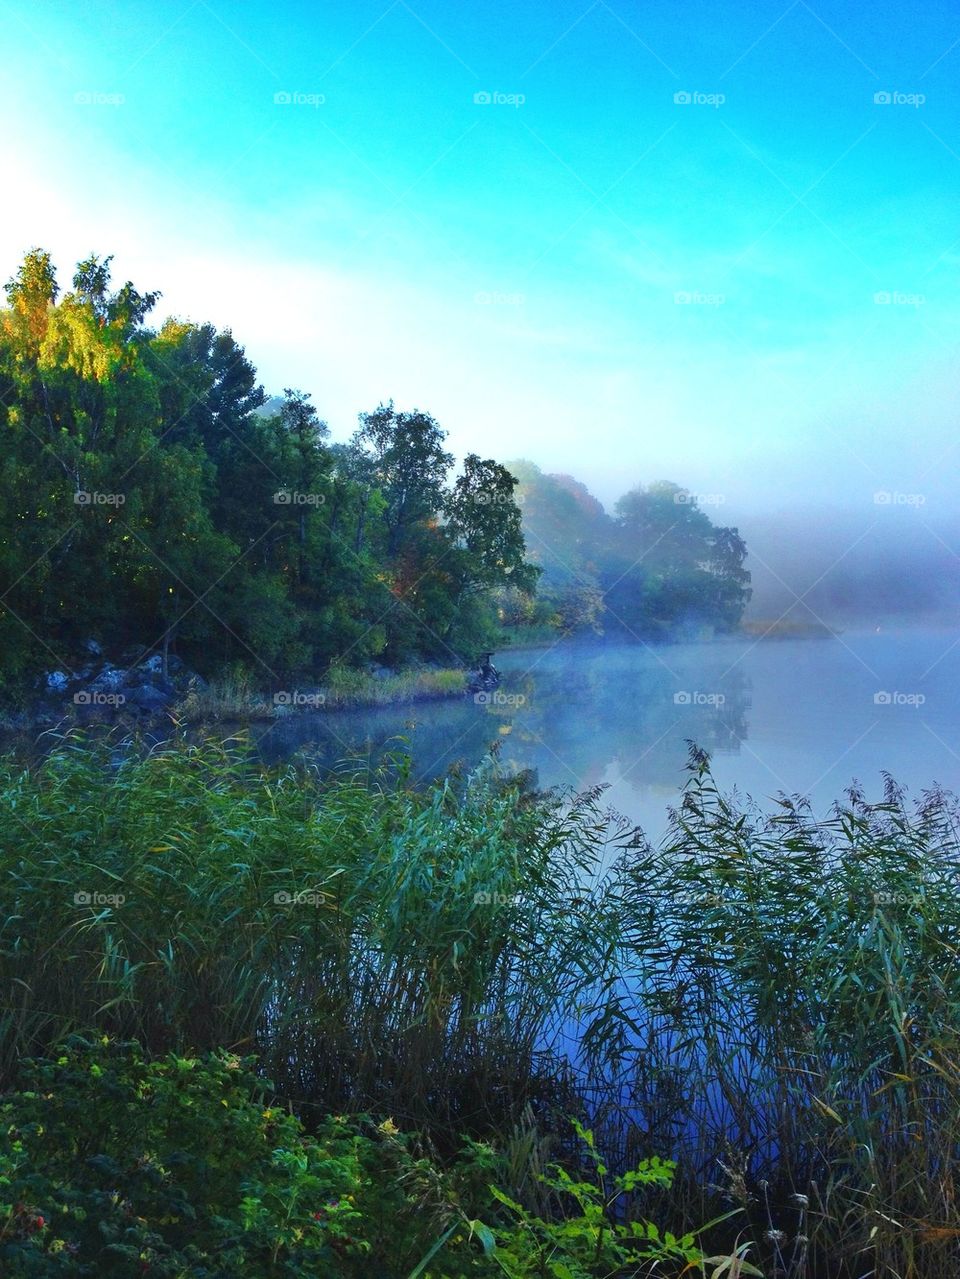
343	687
771	1000
795	997
376	946
233	696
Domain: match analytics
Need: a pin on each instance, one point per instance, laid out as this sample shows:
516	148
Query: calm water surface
802	716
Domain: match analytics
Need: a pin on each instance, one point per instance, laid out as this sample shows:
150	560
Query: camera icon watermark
894	297
84	898
686	297
691	898
894	98
294	697
498	698
492	497
306	897
287	98
898	899
687	697
94	98
699	499
93	697
883	698
484	98
694	98
85	497
886	497
290	497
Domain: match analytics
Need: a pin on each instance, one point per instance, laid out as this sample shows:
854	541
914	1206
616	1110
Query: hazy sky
581	269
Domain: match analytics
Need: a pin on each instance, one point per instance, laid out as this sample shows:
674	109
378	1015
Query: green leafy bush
595	1231
114	1165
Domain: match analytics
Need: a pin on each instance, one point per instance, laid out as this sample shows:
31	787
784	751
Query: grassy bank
237	697
770	1000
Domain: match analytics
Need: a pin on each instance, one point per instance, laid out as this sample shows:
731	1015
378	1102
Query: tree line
657	567
151	498
154	499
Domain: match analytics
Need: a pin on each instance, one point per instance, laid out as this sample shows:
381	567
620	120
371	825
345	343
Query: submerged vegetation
770	1001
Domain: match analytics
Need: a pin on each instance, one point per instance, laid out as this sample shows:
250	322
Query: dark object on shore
142	690
485	677
148	700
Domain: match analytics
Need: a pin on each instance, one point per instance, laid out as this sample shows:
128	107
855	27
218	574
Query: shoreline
350	691
235	699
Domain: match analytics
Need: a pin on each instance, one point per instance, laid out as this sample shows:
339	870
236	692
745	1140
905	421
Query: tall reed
376	946
770	999
793	998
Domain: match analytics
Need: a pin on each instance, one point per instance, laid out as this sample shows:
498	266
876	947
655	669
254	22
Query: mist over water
891	561
806	717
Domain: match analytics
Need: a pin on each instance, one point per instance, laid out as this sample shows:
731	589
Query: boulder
110	680
56	681
147	699
183	681
153	666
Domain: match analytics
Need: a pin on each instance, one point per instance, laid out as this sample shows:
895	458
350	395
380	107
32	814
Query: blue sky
582	270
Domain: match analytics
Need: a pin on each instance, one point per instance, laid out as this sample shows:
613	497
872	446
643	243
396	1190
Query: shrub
596	1232
113	1165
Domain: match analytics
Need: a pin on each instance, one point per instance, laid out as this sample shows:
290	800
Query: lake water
806	716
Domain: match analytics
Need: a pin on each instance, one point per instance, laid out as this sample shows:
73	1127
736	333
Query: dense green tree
80	415
410	465
657	567
400	457
671	568
565	531
488	550
210	399
152	498
484	523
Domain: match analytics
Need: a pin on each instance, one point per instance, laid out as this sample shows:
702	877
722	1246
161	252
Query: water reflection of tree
578	718
593	720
